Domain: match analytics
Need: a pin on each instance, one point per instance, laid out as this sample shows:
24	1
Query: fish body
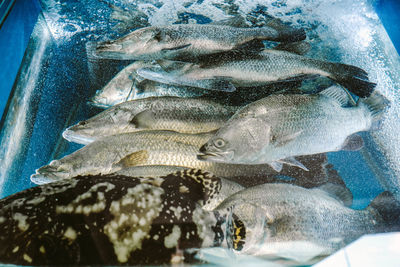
109	220
185	115
283	221
277	128
144	148
188	41
125	87
228	70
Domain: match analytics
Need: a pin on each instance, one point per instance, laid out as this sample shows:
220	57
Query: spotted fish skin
109	219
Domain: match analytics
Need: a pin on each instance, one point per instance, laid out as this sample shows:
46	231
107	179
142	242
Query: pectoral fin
284	139
293	162
134	159
144	119
277	166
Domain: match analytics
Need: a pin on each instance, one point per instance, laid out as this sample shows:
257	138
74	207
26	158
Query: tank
52	72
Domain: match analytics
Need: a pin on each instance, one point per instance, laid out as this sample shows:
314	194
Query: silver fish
296	224
185	115
186	41
127	86
277	128
116	152
228	70
110	220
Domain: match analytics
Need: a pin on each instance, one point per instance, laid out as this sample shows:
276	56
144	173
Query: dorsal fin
337	93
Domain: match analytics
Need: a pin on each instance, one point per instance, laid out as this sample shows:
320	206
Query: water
58	76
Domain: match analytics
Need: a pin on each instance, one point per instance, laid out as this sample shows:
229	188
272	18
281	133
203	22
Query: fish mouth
72	136
215	156
45	175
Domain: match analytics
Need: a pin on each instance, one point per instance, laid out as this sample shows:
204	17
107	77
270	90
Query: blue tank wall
14	37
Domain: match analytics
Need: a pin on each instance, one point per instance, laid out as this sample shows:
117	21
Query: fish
110	220
185	42
145	148
289	223
228	70
278	128
224	189
126	86
184	115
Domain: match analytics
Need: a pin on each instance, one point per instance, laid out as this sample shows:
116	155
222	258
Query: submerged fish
125	86
297	224
185	115
144	148
277	128
187	41
223	189
110	220
228	70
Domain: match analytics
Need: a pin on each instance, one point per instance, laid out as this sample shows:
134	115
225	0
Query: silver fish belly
144	148
228	70
187	115
186	41
125	87
296	224
279	127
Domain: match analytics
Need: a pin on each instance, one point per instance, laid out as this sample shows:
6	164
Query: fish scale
279	127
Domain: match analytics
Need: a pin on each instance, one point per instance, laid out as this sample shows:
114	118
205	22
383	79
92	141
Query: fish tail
375	104
286	33
353	78
387	211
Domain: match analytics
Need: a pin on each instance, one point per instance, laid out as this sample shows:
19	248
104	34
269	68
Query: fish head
55	171
141	44
236	141
111	121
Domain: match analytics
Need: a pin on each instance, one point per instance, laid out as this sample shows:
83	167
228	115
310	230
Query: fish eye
82	123
219	143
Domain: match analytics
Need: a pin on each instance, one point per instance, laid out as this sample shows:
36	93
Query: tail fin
387	209
286	33
353	78
376	105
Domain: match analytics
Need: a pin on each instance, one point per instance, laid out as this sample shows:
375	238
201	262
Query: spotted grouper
111	219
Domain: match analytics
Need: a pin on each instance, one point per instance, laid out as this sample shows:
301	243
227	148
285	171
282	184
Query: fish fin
337	93
286	33
176	48
256	45
376	105
134	159
353	142
293	162
277	166
338	192
143	119
235	21
299	48
283	140
352	78
387	208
